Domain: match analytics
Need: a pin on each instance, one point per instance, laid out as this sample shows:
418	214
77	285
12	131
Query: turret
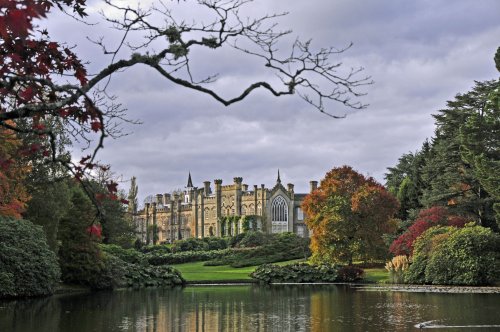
206	185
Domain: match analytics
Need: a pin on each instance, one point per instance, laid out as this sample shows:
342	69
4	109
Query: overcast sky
419	53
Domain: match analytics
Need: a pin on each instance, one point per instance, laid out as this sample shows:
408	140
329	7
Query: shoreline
442	289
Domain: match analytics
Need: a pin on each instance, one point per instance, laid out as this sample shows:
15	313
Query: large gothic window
279	212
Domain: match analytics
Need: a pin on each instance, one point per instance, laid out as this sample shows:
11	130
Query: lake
252	308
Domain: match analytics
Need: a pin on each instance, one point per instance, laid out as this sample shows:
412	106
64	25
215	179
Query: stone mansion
198	212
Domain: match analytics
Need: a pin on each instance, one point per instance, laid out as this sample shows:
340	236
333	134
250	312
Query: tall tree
451	180
405	180
348	214
480	142
132	197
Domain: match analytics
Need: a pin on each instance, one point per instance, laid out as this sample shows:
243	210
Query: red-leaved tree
434	216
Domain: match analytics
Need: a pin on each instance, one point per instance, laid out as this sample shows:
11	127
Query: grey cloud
420	54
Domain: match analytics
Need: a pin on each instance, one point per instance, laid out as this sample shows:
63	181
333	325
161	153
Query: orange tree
348	214
13	194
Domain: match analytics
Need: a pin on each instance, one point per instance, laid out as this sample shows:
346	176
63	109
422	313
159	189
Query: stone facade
199	212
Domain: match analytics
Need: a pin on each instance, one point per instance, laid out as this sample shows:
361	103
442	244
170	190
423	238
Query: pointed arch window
279	212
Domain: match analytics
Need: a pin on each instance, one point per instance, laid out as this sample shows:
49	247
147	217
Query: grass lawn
378	275
198	272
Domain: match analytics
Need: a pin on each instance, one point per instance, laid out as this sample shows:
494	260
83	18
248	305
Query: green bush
253	239
155	258
468	256
125	274
281	247
191	244
128	255
423	249
27	266
235	240
215	243
299	272
157	248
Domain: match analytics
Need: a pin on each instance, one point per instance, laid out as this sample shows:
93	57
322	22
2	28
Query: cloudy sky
419	53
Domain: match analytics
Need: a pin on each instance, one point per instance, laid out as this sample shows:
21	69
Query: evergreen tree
480	143
405	181
450	180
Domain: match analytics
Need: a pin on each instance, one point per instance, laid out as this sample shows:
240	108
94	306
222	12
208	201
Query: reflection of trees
246	308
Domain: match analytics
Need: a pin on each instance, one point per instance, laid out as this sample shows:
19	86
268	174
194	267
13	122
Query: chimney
166	199
290	188
245	187
159	199
313	185
207	187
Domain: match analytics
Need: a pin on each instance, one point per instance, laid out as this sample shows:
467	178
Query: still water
252	308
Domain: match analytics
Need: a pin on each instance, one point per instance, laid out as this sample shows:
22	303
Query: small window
300	214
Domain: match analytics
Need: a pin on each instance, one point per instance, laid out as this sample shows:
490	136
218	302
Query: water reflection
248	308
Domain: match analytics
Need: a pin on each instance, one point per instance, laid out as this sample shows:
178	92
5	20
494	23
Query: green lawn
198	272
379	275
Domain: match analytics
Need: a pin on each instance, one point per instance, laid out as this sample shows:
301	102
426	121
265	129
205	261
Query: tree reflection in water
247	308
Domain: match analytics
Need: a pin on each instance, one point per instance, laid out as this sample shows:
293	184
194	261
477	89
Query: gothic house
201	212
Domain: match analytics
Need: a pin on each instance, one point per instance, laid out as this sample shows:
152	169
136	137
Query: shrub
191	244
424	246
128	255
281	247
27	266
299	272
235	240
253	239
468	256
125	274
434	216
215	243
350	273
396	268
161	248
155	258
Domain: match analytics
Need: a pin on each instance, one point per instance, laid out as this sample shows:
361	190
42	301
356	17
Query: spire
190	182
278	180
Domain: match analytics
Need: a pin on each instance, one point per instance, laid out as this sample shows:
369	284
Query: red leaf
27	94
18	22
112	187
95	230
81	75
96	125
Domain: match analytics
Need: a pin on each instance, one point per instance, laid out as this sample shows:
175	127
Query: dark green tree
80	258
405	181
480	143
450	180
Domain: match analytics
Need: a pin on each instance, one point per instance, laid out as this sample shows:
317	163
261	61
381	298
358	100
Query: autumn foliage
347	215
428	218
13	194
